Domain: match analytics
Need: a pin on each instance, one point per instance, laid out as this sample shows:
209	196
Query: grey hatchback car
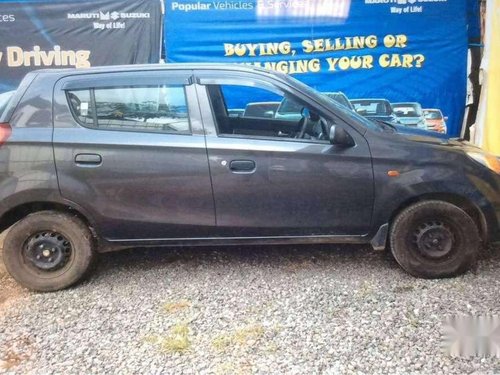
105	158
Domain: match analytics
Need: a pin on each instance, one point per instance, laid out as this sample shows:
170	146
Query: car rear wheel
434	239
48	251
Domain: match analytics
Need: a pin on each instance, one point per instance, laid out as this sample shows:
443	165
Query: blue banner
399	50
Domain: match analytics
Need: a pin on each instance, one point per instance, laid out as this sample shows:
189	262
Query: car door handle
242	166
87	160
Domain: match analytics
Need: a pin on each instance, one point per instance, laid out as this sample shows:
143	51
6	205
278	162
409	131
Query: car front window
289	106
331	103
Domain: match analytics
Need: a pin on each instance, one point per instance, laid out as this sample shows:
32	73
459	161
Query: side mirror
445	118
340	137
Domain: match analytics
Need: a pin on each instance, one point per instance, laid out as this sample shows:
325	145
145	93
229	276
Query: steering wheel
303	123
323	135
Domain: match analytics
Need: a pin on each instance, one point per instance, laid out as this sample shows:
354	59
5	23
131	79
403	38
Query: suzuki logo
104	16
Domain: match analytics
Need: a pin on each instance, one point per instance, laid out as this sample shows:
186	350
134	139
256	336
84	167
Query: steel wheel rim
434	239
47	251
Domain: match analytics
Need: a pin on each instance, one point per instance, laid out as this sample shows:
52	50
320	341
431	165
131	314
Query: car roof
406	103
370	99
263	103
166	66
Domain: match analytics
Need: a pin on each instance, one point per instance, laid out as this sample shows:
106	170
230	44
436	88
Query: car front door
268	179
129	149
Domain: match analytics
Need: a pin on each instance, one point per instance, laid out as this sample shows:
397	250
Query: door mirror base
340	137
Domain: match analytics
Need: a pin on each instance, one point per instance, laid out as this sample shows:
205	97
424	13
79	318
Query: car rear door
268	183
129	148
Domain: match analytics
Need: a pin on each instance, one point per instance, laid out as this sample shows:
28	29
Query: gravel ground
265	310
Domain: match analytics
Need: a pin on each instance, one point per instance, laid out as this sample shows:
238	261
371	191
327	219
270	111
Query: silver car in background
410	114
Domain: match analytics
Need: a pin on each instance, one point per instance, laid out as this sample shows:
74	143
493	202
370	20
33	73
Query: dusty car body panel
164	189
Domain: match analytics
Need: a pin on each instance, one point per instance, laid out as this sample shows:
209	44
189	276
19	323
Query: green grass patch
176	341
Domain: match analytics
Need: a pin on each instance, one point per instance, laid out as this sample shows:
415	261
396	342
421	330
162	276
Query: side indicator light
393	173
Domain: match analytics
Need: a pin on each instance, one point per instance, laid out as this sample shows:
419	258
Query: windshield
433	115
327	101
4	100
367	107
407	110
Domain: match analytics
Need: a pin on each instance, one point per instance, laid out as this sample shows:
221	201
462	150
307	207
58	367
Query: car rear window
159	108
372	107
433	115
407	109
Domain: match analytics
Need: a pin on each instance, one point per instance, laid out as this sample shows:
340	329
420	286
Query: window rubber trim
94	107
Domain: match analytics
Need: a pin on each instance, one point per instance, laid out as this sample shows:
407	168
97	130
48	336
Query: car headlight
488	160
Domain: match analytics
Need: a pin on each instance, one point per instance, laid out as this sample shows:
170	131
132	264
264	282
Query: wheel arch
16	213
461	202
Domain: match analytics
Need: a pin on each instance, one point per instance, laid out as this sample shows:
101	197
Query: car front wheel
48	251
434	239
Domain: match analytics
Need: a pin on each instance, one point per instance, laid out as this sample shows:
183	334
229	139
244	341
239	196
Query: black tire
63	234
434	239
